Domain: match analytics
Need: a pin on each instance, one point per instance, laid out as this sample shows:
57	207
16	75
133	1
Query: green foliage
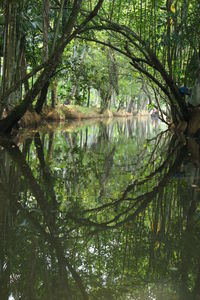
127	41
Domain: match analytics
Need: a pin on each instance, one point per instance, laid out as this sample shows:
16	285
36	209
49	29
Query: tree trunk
9	51
15	115
88	102
43	96
54	94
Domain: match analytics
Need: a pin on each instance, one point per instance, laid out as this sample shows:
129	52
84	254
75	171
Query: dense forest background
134	54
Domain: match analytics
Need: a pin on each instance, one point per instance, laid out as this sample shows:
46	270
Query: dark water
99	211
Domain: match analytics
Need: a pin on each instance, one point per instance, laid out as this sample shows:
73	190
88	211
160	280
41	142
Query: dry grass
52	114
69	112
122	113
108	114
78	113
30	118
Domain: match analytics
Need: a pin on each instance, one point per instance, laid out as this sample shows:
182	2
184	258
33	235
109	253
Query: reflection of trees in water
140	129
143	235
41	214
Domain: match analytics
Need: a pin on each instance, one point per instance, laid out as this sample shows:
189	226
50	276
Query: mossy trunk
42	98
54	96
8	123
10	52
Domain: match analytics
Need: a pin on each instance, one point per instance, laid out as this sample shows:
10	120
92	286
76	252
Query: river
99	210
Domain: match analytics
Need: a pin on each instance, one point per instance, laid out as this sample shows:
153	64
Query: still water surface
99	211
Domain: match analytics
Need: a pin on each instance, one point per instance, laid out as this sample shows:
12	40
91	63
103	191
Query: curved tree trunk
16	114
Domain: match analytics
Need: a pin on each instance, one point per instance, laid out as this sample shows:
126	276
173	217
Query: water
101	210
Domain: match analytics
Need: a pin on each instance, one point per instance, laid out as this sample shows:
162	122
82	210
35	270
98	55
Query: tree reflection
99	214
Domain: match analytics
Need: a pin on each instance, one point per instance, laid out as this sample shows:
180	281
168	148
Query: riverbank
79	112
74	126
68	112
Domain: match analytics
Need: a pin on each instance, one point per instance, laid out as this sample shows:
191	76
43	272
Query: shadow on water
106	211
